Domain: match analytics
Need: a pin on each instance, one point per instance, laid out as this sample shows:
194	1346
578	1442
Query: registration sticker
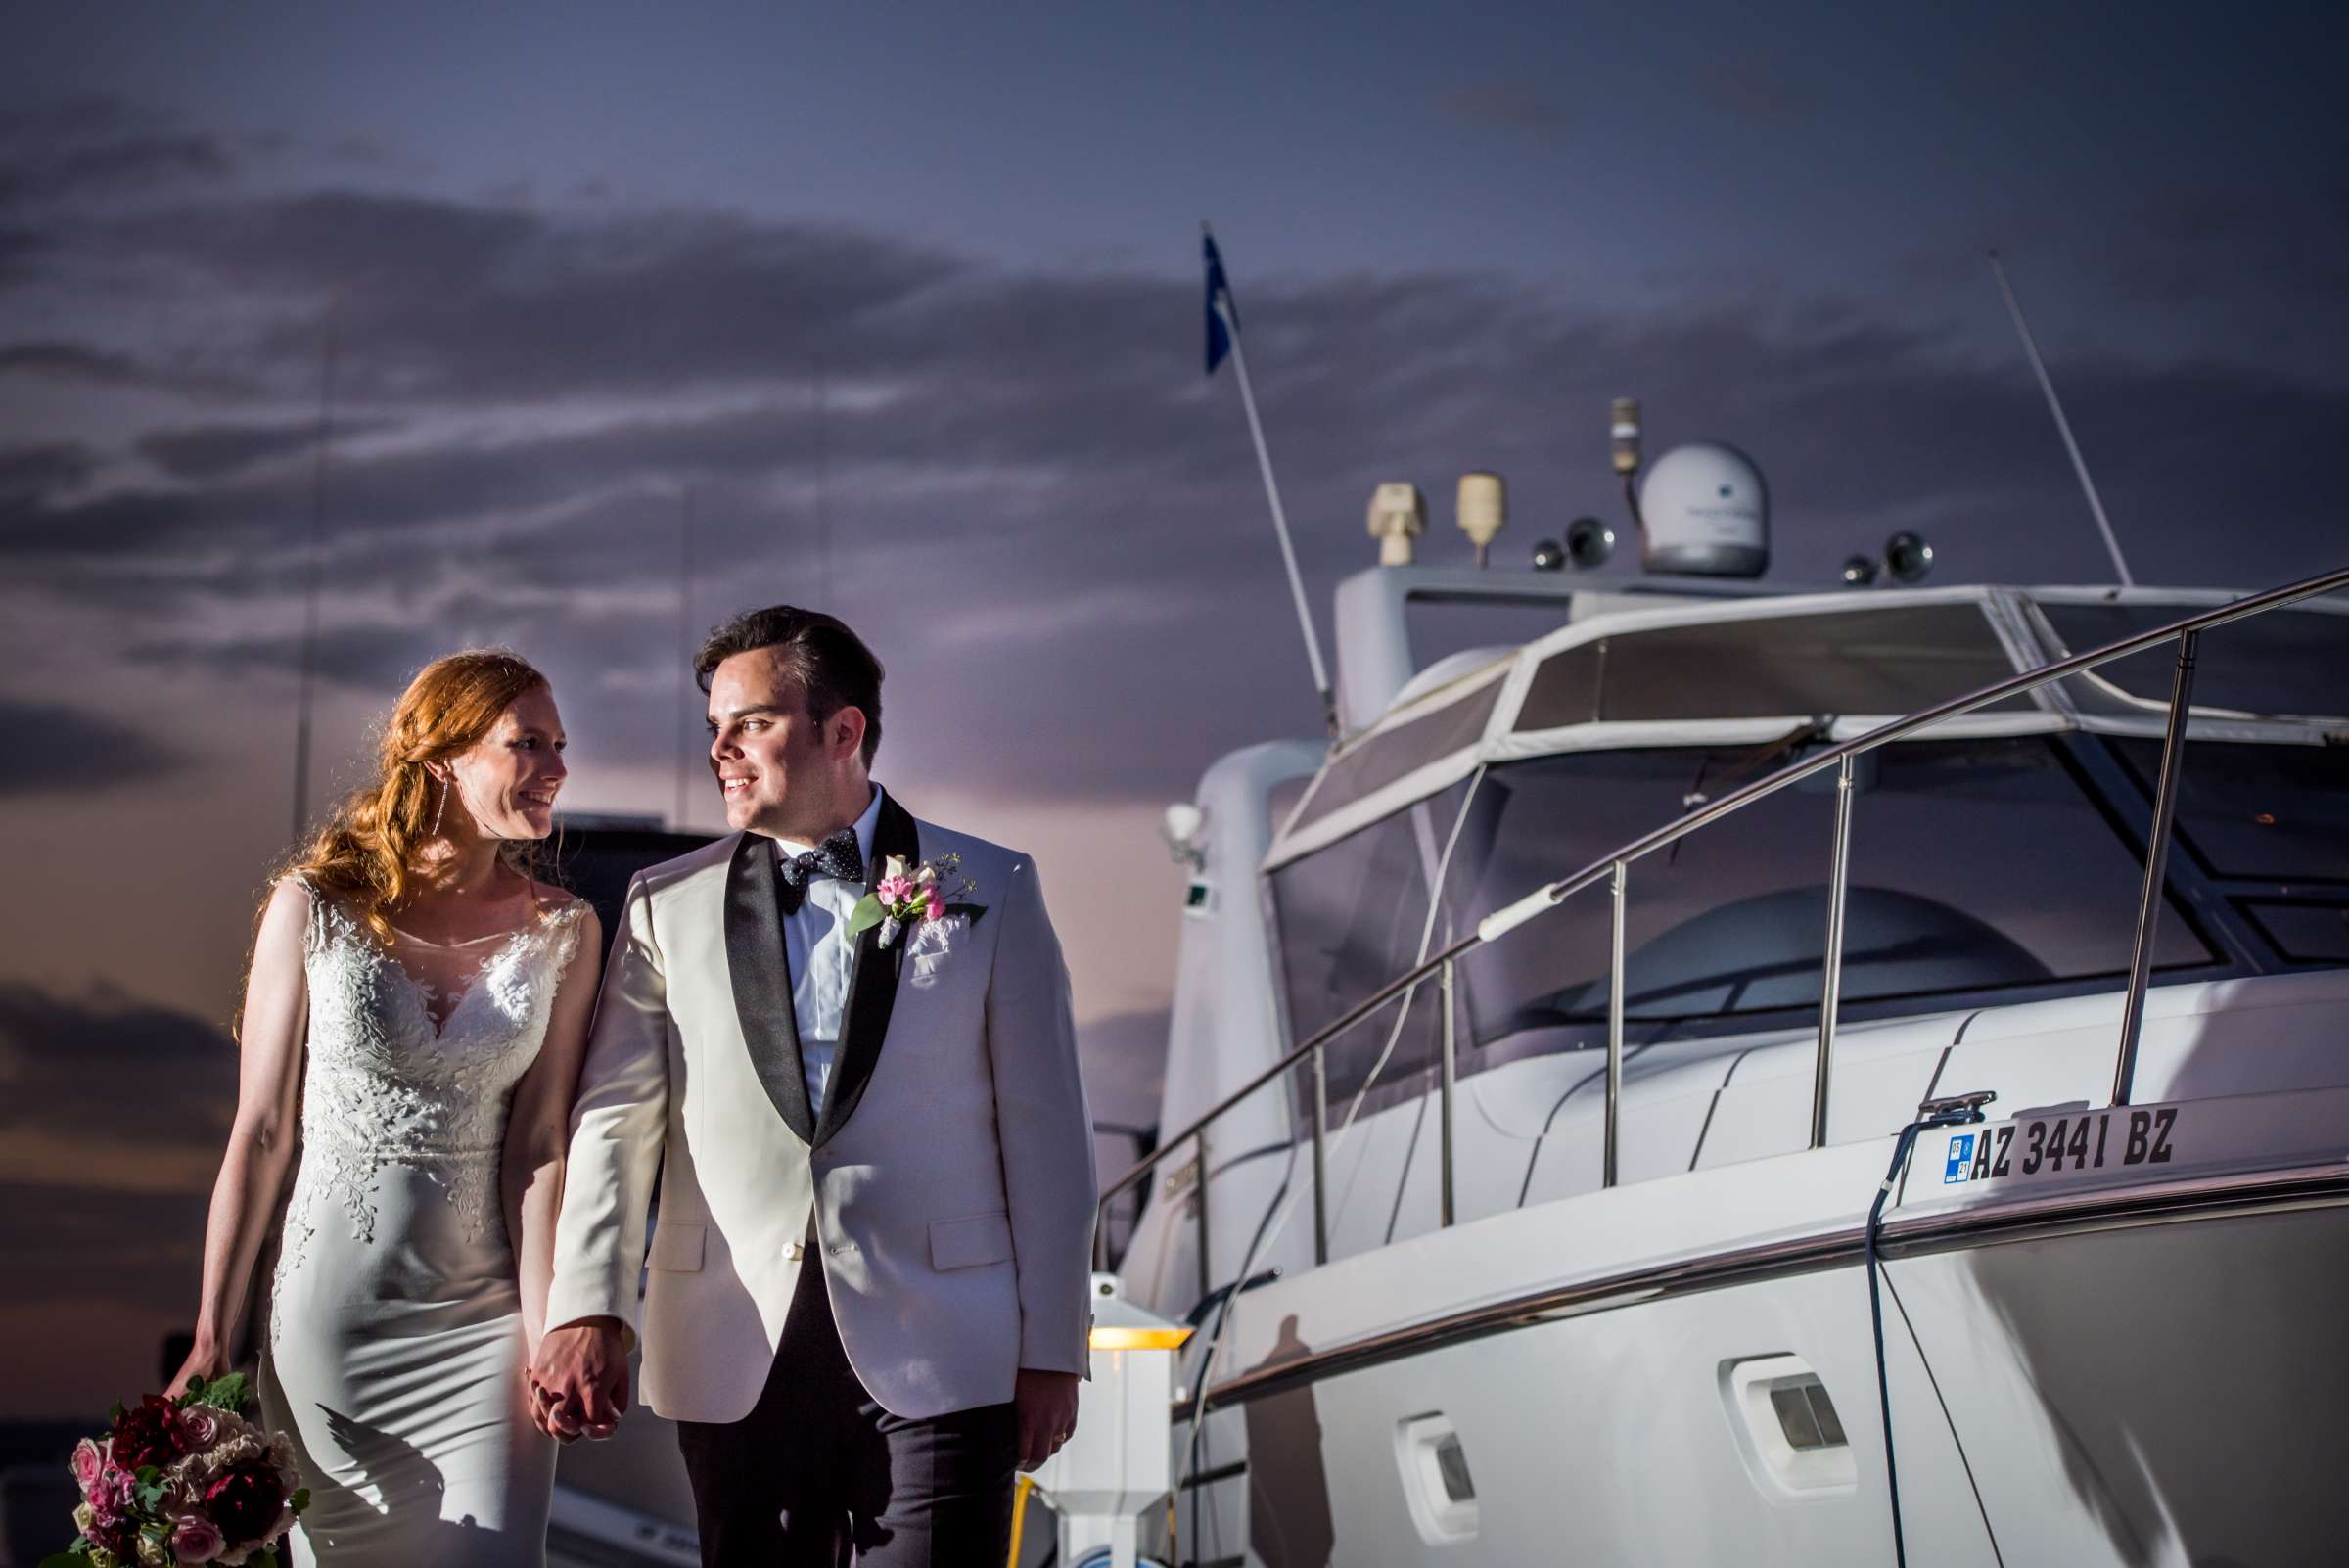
2087	1140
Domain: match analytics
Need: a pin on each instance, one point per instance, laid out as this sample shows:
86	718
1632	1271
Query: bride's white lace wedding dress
394	1349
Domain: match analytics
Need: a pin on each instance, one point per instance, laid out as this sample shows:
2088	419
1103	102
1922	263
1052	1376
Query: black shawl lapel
760	966
873	985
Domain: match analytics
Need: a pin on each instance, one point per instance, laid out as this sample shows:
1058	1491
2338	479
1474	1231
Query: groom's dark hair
832	665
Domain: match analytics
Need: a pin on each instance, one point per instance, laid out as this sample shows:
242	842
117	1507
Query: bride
442	994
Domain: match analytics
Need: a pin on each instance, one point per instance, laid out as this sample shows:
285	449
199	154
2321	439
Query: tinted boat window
1890	660
1350	919
1976	865
1374	762
2285	662
2275	814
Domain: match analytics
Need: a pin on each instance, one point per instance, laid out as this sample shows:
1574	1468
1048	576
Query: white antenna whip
313	565
2015	306
1223	332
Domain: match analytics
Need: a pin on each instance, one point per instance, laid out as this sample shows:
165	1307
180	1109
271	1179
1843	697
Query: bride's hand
205	1361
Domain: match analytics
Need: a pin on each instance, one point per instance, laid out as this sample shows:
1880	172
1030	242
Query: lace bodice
414	1062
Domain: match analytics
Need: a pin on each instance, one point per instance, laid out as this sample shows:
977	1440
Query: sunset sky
900	306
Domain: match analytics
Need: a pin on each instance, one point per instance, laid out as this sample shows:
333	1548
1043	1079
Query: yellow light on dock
1106	1337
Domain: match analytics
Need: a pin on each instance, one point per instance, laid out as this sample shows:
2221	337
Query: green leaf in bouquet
266	1557
232	1394
114	1413
77	1555
300	1498
864	916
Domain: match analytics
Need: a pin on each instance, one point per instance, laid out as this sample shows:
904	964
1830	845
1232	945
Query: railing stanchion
2157	862
1448	995
1207	1277
1614	1111
1830	989
1321	1157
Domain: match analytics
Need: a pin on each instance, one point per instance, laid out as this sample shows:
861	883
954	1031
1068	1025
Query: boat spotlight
1548	555
1482	510
1859	571
1181	829
1588	543
1398	515
1907	557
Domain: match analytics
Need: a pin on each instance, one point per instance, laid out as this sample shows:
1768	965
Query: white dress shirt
822	959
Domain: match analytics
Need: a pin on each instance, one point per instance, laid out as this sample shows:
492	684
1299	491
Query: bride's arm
539	1130
260	1140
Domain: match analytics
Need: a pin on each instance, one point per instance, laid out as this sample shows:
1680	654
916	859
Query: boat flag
1223	315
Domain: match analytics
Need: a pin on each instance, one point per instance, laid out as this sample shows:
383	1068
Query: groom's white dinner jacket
950	1174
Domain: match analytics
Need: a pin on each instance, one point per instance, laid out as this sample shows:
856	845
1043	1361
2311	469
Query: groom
865	1298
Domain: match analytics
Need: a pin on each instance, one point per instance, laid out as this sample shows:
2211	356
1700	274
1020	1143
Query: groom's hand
579	1379
1047	1405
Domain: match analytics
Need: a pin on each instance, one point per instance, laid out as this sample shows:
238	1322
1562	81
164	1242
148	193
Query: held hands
579	1381
1046	1406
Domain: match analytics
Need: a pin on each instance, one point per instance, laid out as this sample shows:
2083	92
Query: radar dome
1705	511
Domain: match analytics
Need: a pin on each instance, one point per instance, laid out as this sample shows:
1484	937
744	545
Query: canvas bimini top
1828	667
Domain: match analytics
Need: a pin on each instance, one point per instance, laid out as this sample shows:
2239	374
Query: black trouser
819	1466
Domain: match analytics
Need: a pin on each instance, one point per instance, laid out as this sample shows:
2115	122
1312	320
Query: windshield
1975	866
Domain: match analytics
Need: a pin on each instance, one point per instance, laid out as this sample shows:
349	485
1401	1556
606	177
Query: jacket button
792	1251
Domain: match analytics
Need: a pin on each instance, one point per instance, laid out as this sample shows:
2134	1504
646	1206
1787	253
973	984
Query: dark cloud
213	451
41	468
98	145
69	1242
443	299
51	746
89	364
152	1082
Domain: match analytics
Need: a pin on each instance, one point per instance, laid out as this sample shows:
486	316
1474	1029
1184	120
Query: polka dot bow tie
836	856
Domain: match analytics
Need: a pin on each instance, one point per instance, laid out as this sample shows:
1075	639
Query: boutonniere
909	895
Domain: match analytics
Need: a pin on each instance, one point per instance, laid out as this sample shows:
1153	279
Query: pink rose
196	1540
89	1463
893	889
199	1427
937	905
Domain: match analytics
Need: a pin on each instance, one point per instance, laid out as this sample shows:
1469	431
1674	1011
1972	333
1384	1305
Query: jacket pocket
966	1243
676	1248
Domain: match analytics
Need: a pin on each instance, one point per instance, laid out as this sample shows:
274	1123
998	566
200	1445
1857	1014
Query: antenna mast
310	583
823	477
685	680
2063	426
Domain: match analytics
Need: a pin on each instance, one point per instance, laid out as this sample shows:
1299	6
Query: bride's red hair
362	854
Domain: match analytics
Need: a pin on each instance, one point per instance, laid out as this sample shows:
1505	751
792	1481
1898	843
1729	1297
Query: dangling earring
440	808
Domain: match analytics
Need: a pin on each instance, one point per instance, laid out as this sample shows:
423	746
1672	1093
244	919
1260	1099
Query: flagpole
1280	521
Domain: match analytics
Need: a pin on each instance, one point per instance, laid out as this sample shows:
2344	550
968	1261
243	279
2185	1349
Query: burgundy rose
246	1501
147	1433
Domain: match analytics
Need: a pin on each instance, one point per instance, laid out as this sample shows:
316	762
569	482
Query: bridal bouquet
191	1480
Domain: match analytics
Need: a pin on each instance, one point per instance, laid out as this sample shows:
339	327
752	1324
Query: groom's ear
844	731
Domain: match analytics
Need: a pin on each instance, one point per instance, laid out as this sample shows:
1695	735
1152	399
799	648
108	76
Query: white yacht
1540	1049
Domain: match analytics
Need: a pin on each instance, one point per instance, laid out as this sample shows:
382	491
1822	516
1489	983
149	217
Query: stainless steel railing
1615	870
